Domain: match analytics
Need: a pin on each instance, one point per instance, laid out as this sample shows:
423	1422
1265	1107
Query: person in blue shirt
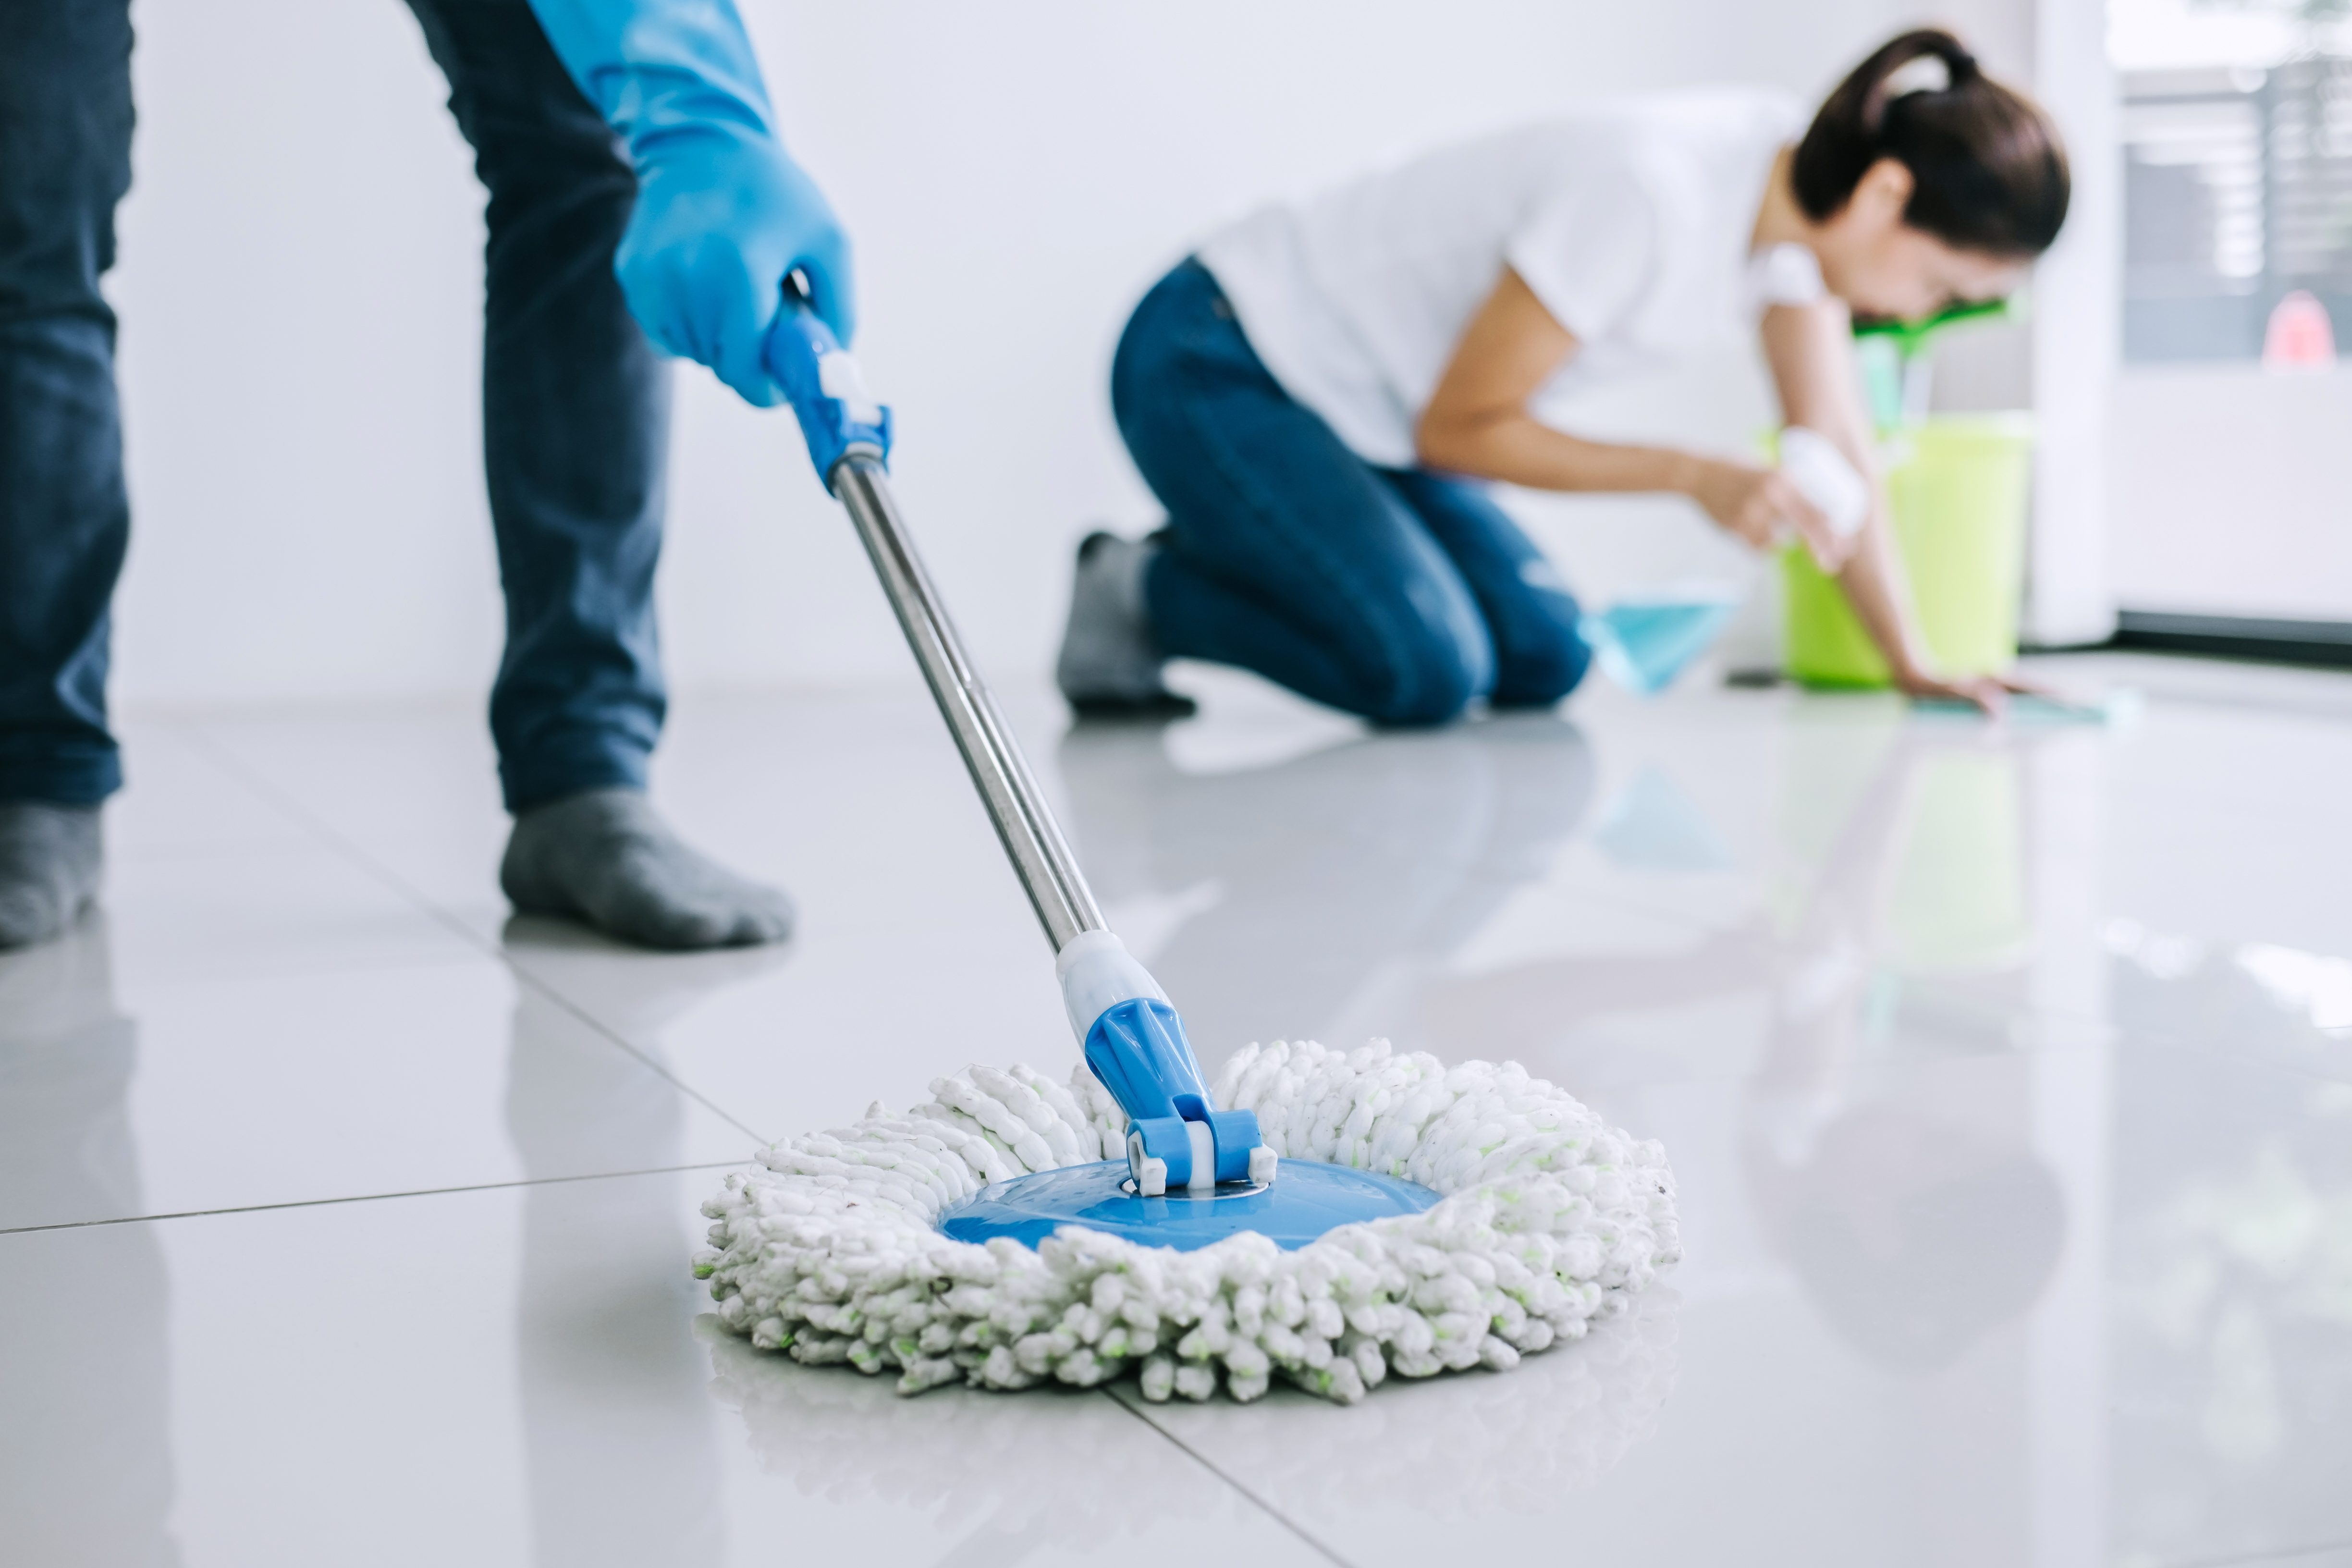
641	204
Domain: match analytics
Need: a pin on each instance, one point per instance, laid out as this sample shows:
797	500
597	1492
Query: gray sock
49	859
1109	662
603	857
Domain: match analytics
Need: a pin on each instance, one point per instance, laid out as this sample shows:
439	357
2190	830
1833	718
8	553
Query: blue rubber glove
722	215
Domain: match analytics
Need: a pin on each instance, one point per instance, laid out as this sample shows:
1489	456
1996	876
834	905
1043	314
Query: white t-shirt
1629	220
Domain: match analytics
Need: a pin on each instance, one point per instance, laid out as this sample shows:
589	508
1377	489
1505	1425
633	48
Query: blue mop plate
1306	1199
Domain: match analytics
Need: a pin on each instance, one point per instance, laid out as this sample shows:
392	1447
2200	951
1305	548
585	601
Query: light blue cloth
722	215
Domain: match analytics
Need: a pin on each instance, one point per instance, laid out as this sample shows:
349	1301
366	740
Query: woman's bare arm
1477	423
1810	351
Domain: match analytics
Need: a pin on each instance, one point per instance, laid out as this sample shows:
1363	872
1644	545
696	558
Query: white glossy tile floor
2008	1074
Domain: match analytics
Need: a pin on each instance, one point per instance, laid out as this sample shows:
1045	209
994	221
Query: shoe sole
1163	705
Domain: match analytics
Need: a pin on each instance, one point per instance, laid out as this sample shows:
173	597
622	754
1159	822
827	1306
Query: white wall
299	287
2230	492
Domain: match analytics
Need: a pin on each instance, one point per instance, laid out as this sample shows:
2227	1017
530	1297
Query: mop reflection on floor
1046	1470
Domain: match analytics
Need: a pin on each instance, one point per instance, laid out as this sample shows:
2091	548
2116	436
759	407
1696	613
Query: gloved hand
722	215
722	218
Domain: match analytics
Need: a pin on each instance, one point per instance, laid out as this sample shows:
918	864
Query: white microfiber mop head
1549	1218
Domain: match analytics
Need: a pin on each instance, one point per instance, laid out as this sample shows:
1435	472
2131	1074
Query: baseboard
2327	643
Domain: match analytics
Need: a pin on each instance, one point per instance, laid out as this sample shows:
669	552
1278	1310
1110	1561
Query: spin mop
1330	1217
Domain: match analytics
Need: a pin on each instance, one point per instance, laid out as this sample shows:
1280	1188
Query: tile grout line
368	1197
1265	1507
228	762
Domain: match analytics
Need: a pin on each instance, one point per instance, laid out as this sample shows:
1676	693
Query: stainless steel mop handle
1041	856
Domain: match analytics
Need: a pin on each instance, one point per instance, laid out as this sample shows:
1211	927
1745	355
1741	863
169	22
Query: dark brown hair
1987	172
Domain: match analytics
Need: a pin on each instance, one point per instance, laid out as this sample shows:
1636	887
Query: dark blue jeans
1395	593
575	403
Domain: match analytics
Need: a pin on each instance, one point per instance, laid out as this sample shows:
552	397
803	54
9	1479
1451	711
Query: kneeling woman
1318	396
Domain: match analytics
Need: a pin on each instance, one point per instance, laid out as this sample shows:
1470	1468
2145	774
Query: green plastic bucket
1958	484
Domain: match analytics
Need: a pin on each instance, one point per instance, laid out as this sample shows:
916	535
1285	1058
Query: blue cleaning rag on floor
1643	644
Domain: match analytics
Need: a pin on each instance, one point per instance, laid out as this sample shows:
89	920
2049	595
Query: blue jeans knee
1433	667
1546	661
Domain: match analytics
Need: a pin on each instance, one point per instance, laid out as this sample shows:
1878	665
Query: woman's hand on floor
1989	692
1763	508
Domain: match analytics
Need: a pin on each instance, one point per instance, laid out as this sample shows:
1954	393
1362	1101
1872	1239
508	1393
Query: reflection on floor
2008	1076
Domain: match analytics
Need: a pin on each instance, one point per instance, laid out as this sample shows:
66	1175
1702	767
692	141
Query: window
2237	130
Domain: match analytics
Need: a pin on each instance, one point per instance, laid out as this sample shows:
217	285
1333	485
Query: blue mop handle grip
839	418
1128	1028
1135	1045
1138	1050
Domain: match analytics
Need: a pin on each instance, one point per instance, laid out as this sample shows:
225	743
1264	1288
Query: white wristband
1823	477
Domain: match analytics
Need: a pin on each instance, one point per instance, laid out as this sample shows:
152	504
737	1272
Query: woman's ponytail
1987	170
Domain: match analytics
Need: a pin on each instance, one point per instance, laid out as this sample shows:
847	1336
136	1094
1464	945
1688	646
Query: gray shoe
1109	667
49	861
